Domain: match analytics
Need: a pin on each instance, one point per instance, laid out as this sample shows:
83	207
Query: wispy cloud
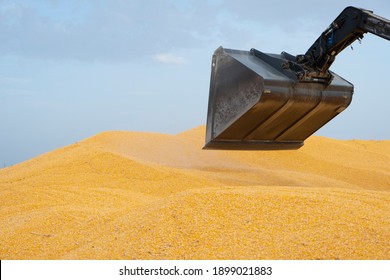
14	80
112	30
118	30
170	58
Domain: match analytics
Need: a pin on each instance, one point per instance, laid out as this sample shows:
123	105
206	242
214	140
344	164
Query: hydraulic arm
348	27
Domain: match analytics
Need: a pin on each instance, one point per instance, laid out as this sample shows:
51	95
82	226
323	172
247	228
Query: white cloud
14	80
170	58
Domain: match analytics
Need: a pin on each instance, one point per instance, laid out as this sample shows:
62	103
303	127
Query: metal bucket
256	105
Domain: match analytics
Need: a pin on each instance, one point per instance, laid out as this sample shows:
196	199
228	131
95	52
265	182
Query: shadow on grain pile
129	195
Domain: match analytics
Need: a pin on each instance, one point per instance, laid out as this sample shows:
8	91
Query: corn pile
127	195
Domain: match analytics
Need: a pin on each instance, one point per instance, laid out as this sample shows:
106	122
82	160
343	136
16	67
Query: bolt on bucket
256	104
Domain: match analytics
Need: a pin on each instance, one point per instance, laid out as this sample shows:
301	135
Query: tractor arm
349	26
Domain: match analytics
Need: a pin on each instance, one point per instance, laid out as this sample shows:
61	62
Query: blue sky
71	69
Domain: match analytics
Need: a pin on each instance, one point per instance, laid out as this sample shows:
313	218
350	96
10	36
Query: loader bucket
254	104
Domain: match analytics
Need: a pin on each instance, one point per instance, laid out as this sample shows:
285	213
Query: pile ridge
137	195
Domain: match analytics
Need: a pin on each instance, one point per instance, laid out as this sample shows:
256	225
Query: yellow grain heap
127	195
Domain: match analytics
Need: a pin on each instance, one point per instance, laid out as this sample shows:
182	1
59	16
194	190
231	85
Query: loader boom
348	27
262	101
